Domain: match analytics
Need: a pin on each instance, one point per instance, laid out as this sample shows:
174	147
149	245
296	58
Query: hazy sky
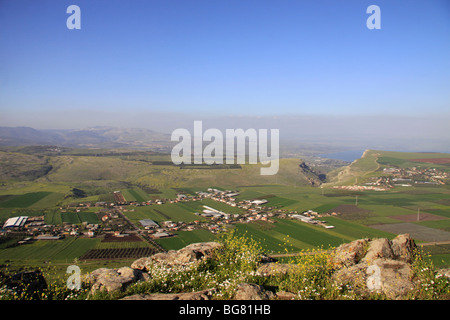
159	62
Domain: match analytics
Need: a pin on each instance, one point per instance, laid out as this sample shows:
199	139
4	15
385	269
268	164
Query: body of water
350	155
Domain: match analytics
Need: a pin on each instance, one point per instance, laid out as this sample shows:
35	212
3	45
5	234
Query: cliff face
313	178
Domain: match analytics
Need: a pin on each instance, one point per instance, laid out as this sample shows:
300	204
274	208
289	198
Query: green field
135	194
79	217
165	212
184	238
180	211
45	250
53	217
403	159
23	201
294	236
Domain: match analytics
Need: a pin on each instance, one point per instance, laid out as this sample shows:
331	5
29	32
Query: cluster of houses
113	219
37	229
407	177
217	220
362	188
402	177
416	175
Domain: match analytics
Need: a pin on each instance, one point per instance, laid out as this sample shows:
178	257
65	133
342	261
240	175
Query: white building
302	218
259	201
15	222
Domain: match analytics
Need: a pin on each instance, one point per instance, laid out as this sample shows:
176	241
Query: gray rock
403	247
394	278
376	266
349	254
189	254
113	279
379	248
251	291
284	295
354	276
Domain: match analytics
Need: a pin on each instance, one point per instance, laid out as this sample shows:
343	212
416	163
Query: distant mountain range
95	137
108	137
296	146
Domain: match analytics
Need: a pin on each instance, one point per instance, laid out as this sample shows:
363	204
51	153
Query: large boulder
189	254
379	248
403	247
113	279
118	279
376	266
349	254
391	277
251	291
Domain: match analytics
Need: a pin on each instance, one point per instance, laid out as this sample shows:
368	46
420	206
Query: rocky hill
370	266
236	269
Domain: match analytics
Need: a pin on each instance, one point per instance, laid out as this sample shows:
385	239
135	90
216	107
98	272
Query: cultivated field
418	232
65	250
360	213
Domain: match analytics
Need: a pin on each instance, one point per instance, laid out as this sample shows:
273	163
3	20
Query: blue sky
221	57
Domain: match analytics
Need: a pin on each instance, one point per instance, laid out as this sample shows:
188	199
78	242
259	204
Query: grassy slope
373	160
96	173
357	171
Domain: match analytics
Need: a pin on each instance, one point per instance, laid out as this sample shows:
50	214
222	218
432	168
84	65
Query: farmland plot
24	200
118	253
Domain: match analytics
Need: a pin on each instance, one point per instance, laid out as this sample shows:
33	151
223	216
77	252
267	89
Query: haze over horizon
310	68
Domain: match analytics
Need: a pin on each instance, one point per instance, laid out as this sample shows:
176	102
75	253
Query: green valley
98	200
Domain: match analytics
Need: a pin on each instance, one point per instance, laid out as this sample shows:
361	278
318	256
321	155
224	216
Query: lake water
350	155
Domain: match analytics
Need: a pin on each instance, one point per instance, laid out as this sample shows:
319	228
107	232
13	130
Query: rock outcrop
118	279
113	279
251	291
376	266
186	255
369	266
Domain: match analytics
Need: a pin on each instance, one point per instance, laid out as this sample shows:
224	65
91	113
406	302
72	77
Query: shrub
430	284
